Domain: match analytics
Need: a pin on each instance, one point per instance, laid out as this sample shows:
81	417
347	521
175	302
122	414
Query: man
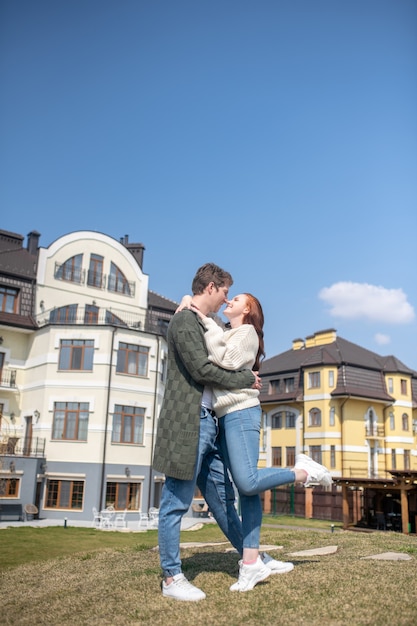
186	450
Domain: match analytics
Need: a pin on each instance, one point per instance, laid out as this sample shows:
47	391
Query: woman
240	347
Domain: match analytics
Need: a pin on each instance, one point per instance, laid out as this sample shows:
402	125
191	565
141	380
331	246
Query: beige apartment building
83	359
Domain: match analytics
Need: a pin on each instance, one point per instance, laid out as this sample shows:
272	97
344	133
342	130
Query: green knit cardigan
189	369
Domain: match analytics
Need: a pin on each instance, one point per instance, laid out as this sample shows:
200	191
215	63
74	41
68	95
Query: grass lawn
80	576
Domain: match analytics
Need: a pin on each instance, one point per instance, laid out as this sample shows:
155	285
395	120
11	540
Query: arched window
405	422
314	417
392	422
276	420
118	281
64	314
71	270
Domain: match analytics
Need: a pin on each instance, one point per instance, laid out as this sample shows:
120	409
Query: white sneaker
250	575
276	567
316	473
182	589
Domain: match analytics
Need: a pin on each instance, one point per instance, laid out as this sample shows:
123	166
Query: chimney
298	344
33	242
137	249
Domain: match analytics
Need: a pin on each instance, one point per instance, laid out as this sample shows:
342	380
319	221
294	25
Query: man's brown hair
210	273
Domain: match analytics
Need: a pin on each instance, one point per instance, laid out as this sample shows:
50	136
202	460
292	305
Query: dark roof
361	382
339	352
17	321
360	372
14	259
156	301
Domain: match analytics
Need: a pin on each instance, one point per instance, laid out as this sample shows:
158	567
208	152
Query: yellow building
347	407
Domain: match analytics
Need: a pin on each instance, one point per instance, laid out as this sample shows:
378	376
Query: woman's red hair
255	316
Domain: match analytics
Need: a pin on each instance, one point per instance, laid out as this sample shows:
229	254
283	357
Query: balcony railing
94	316
8	378
151	321
365	472
374	432
20	446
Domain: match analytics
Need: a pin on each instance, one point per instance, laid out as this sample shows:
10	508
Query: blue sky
277	138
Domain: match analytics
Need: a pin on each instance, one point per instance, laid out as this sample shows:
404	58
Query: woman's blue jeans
177	495
239	434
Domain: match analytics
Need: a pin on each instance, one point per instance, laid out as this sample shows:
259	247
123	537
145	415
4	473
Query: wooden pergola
403	481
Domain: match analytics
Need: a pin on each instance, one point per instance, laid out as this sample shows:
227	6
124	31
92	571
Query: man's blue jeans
177	495
239	434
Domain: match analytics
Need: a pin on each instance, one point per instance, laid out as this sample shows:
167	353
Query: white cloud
382	339
359	300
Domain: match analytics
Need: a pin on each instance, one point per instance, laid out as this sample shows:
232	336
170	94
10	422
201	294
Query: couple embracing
210	423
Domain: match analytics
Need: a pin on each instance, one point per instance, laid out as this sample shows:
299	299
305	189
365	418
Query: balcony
155	322
8	379
17	446
374	432
91	315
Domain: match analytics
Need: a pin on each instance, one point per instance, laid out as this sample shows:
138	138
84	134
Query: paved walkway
188	523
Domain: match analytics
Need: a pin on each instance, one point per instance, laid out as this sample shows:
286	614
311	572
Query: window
331	378
111	318
70	421
393	459
314	417
277	456
124	495
289	384
315	453
332	416
64	314
314	380
290	456
164	368
132	359
95	271
403	386
274	386
76	354
404	421
71	270
8	299
276	420
91	314
9	487
128	424
392	420
162	325
64	494
264	434
390	385
332	456
406	459
117	281
289	419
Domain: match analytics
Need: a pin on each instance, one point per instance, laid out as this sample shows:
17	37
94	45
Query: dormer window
8	299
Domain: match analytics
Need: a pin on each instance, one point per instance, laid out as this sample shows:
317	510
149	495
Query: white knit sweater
232	349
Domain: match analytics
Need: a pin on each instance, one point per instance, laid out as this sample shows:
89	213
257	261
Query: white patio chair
120	520
143	521
96	523
153	515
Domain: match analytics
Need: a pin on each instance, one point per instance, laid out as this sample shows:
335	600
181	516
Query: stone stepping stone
389	556
315	551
